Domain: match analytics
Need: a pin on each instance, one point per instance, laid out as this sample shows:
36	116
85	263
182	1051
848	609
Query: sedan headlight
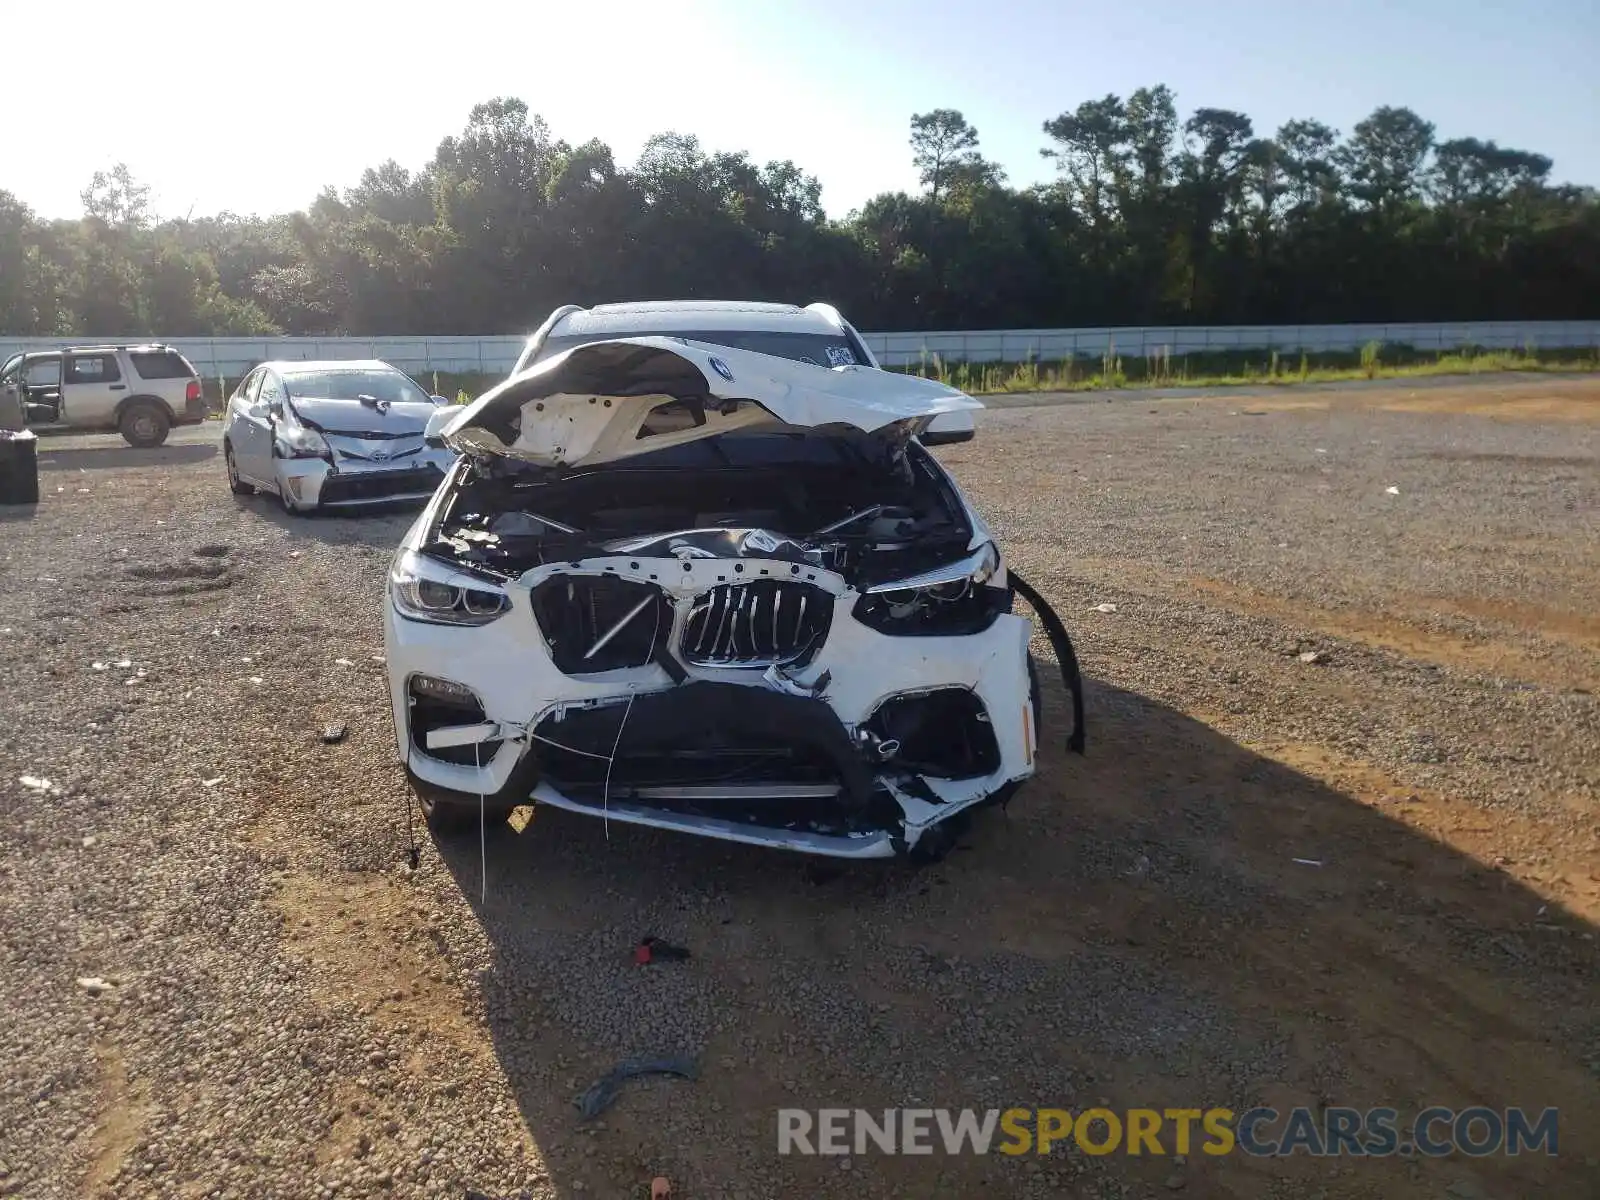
425	590
948	601
296	441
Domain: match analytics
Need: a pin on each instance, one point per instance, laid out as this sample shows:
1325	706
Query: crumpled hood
352	416
609	400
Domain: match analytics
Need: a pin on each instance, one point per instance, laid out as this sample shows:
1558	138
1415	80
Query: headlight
425	590
296	441
948	601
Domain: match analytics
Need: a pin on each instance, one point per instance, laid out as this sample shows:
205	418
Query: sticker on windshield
722	368
840	356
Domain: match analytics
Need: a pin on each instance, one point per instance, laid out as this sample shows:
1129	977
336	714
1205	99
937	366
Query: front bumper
525	700
349	483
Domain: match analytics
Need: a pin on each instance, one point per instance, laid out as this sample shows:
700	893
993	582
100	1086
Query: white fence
495	355
1045	345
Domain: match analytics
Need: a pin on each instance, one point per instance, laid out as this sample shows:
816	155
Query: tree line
1149	221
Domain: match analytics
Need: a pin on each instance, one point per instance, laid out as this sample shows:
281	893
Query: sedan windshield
390	386
819	349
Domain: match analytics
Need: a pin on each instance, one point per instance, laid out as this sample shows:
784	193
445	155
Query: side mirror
946	437
948	429
438	399
433	432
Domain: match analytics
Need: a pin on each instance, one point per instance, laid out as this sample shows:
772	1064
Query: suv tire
448	816
144	423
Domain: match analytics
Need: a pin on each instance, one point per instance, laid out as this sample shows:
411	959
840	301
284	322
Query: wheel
144	424
289	505
451	814
936	843
235	485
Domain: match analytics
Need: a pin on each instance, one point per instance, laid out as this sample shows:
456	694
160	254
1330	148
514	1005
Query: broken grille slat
702	611
748	624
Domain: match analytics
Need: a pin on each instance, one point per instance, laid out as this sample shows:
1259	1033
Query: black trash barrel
19	467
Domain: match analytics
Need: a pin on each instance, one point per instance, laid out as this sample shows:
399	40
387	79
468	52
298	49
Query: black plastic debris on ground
603	1091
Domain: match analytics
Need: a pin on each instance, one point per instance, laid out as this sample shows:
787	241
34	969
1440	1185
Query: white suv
708	588
140	391
816	334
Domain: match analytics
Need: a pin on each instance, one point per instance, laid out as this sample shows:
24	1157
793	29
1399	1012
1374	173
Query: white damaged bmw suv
706	589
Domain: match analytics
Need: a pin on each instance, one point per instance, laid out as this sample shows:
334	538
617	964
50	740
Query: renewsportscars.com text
1258	1132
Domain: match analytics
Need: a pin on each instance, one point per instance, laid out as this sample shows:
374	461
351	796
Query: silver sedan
340	434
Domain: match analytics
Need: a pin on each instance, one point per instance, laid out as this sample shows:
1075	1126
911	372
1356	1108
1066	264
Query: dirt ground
1367	879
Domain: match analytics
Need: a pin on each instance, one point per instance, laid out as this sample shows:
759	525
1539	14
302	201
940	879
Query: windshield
819	349
390	386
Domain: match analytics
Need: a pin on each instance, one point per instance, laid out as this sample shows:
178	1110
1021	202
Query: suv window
93	368
160	364
11	371
43	372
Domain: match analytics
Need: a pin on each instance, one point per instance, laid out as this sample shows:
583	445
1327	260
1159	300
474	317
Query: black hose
1064	652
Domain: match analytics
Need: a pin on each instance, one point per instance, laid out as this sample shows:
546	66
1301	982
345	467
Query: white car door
13	411
91	388
41	387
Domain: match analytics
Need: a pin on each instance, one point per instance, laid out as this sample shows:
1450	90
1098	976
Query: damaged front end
790	630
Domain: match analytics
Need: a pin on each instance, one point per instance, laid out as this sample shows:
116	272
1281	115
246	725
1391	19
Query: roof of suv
110	347
668	315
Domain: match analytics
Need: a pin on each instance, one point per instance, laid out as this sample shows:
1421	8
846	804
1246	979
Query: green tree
116	198
1153	219
942	143
1091	147
1385	157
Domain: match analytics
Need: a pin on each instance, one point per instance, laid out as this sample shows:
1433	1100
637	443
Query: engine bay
865	507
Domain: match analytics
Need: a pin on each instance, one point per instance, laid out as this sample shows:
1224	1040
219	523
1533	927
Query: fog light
443	689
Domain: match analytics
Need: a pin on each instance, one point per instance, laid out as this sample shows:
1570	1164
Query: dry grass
1241	368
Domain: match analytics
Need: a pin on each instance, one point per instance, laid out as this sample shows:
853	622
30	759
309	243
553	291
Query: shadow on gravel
121	457
380	525
1134	932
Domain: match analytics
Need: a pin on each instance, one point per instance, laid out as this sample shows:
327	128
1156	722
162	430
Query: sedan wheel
290	505
235	485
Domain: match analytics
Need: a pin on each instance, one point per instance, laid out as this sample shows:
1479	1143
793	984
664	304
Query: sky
254	108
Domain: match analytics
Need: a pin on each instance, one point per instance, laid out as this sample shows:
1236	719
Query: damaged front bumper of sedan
359	471
844	691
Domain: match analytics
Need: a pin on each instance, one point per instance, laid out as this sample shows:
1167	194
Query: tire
144	424
935	844
235	485
449	816
289	506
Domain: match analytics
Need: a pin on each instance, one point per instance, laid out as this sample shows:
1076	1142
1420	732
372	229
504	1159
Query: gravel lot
221	978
